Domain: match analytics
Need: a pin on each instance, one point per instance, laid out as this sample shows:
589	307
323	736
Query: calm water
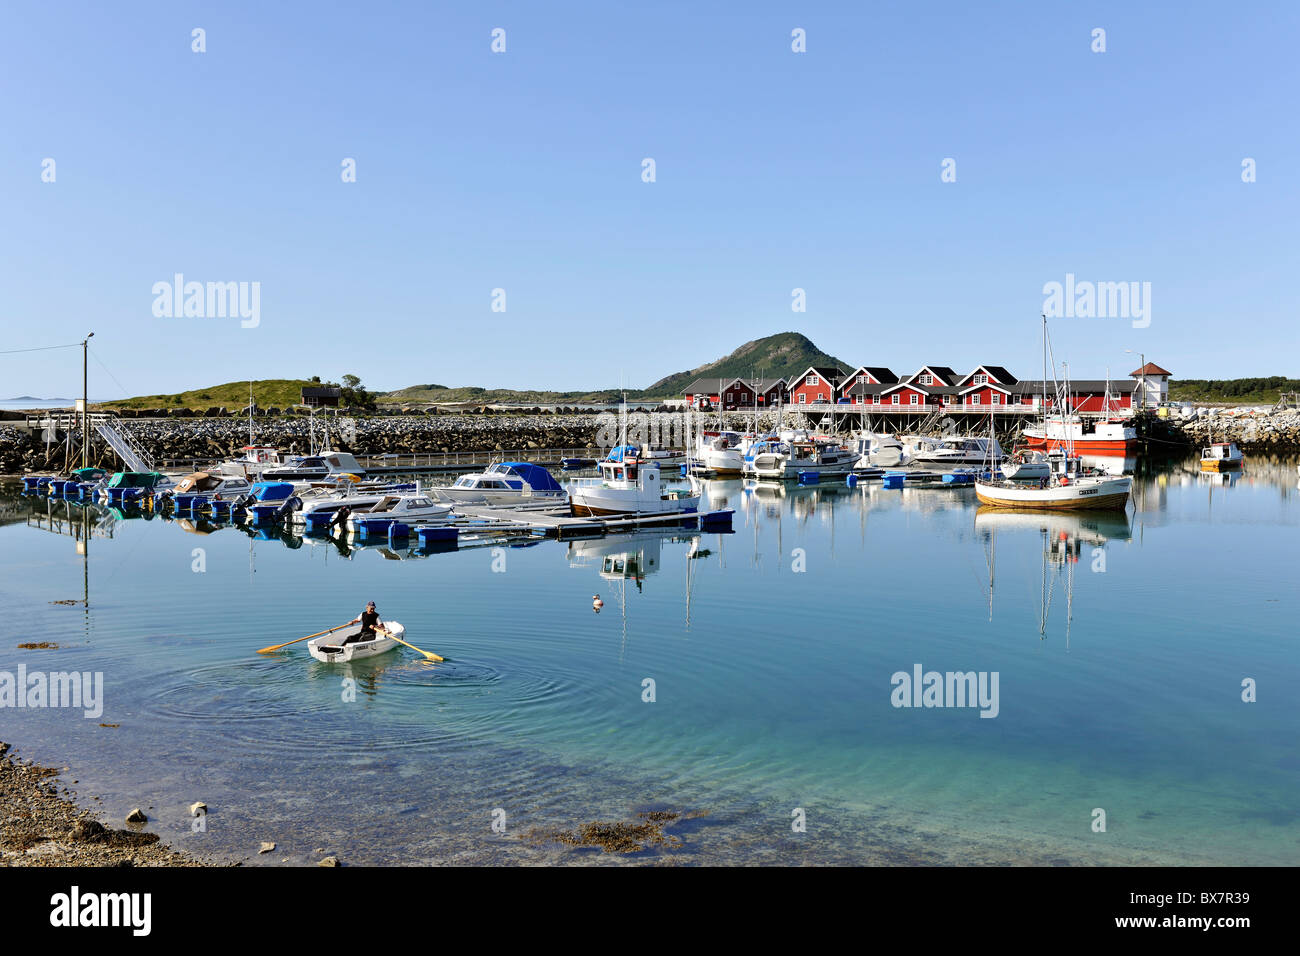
1120	644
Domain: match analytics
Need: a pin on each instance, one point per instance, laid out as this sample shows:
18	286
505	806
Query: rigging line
43	348
110	374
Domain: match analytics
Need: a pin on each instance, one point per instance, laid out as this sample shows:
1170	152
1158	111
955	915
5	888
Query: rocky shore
41	826
182	438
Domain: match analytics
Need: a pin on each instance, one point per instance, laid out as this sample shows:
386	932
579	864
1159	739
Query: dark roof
999	372
765	385
828	372
702	386
1151	368
862	388
320	391
881	374
949	376
1098	385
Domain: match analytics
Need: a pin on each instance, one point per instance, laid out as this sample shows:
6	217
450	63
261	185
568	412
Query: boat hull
1113	446
330	648
607	510
1225	465
1106	495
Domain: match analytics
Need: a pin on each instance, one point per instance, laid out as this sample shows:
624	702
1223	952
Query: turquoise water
771	650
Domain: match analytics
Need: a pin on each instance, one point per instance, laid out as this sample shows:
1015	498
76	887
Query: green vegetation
440	394
268	393
1245	391
785	354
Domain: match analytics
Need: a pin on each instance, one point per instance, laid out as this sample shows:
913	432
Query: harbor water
1142	670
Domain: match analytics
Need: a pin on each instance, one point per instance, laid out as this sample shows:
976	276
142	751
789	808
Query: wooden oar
427	654
307	638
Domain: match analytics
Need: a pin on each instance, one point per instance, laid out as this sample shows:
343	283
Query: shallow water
1120	644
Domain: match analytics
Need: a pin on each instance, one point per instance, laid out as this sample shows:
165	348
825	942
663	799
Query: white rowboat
331	649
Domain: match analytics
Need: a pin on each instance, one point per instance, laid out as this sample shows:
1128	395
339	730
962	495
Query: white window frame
925	379
912	399
893	399
803	398
812	380
975	399
981	379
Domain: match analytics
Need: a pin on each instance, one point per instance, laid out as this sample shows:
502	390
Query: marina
683	585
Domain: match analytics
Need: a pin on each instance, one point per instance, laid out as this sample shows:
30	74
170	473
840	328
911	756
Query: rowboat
331	649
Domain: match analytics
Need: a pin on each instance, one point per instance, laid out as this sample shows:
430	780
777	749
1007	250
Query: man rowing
369	621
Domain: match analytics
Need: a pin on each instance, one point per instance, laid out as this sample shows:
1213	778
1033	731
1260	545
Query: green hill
785	354
442	395
268	393
1246	391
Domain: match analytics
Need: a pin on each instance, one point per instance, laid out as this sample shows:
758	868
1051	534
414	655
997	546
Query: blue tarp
618	452
271	490
538	477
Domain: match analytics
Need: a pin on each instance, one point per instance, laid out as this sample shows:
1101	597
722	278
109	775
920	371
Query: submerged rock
137	816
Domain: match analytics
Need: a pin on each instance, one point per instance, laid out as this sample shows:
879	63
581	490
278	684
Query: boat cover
537	477
271	490
135	479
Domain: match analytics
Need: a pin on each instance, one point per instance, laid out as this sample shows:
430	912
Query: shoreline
41	824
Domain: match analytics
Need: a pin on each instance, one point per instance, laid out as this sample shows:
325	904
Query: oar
307	638
427	654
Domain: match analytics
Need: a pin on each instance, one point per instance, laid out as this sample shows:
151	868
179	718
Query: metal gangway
124	445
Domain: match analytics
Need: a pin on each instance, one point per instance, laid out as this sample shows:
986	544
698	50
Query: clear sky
522	170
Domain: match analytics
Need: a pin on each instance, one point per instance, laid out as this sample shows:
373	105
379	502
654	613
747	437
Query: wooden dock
556	523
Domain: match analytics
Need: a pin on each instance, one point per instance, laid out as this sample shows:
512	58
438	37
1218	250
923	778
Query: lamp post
1142	376
85	402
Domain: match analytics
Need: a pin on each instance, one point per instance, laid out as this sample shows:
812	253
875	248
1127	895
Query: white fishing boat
408	509
331	649
1114	436
628	487
1067	488
1222	456
506	482
786	459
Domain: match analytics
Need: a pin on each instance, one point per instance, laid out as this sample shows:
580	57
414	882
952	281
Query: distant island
33	398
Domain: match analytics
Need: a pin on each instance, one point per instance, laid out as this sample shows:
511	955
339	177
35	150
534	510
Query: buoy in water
596	603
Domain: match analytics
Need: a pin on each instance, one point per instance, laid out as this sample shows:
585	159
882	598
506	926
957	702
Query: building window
911	399
728	396
894	398
803	398
812	380
981	379
975	399
995	399
862	380
927	379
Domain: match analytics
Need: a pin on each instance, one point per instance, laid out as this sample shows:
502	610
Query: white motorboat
955	451
407	509
331	649
786	459
878	451
721	454
305	508
207	486
628	487
506	482
327	464
1026	464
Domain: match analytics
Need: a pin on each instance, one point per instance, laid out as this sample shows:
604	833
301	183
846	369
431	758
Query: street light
1142	376
85	403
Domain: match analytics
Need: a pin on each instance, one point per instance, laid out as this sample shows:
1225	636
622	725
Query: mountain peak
783	354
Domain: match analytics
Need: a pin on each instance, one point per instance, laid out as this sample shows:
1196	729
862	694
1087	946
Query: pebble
136	816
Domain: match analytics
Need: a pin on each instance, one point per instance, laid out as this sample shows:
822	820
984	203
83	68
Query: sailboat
1068	487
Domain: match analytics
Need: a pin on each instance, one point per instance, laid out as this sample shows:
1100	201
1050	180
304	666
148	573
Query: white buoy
596	602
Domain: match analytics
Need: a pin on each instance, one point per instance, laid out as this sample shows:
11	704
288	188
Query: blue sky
522	171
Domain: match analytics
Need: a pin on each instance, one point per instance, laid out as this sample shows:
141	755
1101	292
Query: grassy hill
1246	391
784	354
268	393
440	394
